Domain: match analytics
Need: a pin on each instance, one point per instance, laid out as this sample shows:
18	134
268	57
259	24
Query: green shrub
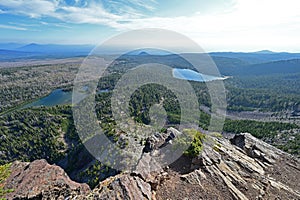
197	144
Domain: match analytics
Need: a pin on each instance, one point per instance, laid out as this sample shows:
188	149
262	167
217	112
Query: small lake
56	97
191	75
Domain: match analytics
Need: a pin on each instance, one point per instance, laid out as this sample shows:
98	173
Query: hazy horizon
20	45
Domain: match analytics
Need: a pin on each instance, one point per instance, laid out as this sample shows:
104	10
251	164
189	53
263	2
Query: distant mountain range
52	48
77	50
13	51
257	57
229	63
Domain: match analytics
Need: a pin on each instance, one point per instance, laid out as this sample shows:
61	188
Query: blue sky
217	25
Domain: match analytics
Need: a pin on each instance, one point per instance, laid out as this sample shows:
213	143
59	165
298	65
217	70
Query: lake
61	97
56	97
191	75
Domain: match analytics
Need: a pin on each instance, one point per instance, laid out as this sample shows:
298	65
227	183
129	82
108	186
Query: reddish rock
40	180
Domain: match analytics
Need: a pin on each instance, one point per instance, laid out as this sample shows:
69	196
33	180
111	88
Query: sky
216	25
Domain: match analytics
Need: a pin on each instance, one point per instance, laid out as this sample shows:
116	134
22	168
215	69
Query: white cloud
92	15
40	8
92	12
246	14
253	22
31	8
24	24
12	27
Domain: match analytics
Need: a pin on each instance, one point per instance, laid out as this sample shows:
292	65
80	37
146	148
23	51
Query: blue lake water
191	75
56	97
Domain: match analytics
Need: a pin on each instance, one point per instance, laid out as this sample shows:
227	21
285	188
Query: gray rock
124	186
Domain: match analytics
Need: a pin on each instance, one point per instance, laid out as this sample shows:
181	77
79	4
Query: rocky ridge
240	168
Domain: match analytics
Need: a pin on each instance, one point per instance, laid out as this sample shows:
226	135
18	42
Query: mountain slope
278	67
233	67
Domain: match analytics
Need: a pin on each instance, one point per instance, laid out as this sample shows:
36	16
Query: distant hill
258	57
143	53
227	66
148	52
265	52
269	68
13	51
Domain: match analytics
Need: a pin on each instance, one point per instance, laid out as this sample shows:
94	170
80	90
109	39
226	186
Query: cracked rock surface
240	168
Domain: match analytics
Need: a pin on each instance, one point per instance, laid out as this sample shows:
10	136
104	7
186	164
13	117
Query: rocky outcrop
121	187
248	167
241	168
39	180
256	148
158	140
